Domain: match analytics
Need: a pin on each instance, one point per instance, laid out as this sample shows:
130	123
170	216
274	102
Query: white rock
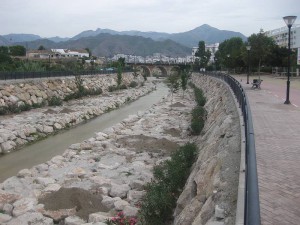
57	159
24	173
13	99
57	126
8	208
45	180
52	188
119	190
42	167
98	217
32	218
120	205
130	211
135	196
108	202
4	218
74	220
7	146
47	129
101	136
137	185
23	205
219	212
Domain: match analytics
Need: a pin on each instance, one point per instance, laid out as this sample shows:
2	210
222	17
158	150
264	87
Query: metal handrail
252	208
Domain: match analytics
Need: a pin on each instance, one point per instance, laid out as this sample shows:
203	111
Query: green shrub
169	179
197	126
199	112
198	118
55	101
112	88
3	110
199	96
38	104
122	86
133	84
25	107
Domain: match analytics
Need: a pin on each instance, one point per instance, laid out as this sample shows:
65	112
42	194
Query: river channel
44	150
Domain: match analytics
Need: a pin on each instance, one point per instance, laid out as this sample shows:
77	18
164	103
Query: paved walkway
277	141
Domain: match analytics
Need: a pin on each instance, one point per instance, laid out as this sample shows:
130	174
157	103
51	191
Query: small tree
119	76
173	84
144	75
204	55
41	47
184	80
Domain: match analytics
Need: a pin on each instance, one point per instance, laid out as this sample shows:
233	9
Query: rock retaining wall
39	90
210	194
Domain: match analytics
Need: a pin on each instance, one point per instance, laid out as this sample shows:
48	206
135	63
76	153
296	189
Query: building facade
57	53
281	36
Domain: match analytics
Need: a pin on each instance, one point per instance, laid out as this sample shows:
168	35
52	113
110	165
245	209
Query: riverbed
44	150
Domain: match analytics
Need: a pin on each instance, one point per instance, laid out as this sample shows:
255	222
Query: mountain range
106	42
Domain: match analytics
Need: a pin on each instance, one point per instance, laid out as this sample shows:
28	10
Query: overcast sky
66	18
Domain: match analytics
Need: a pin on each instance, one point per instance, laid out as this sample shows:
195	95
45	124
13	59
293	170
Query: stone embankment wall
210	194
39	90
17	130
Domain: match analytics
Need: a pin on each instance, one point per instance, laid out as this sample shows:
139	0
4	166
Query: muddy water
44	150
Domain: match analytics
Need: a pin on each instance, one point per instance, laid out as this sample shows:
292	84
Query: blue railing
252	208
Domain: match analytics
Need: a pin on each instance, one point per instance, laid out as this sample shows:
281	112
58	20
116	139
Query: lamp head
289	20
248	47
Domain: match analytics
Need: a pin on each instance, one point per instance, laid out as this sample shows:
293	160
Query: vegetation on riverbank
170	176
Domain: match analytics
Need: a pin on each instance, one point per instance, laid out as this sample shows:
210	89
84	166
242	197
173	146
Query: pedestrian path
277	141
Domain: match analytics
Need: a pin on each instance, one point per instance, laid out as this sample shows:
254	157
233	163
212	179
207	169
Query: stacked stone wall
210	193
39	90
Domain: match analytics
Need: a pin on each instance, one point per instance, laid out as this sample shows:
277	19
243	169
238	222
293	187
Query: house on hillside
57	53
39	54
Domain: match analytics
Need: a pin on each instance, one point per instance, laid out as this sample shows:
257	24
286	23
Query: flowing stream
44	150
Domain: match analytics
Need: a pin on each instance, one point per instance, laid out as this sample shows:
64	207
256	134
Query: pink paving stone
277	141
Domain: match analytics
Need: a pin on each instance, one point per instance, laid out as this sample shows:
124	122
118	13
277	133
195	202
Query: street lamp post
228	55
248	47
289	20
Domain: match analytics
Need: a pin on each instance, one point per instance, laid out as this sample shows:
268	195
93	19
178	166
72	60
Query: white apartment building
281	36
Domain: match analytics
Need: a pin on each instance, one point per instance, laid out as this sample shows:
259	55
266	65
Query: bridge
161	69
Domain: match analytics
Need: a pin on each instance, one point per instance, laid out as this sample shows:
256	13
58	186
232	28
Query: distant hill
13	38
3	41
58	39
190	38
109	45
106	42
204	33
